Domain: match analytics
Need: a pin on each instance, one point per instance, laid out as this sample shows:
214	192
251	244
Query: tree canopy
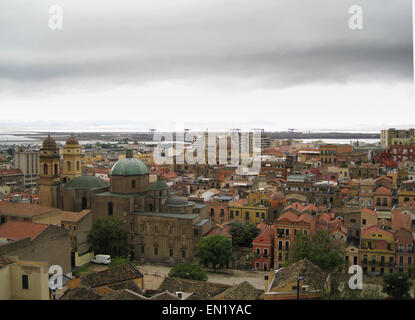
397	285
321	249
108	236
188	270
215	251
243	234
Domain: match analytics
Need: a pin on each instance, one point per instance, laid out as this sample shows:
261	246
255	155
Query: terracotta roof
16	230
289	216
265	236
373	229
23	209
369	211
201	289
113	275
383	190
70	216
242	291
10	172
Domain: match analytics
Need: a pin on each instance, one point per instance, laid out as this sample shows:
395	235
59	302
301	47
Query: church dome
86	183
72	140
129	167
178	202
49	143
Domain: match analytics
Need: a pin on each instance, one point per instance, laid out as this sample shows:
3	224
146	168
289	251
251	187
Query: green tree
397	285
321	249
188	270
215	251
243	234
326	253
108	236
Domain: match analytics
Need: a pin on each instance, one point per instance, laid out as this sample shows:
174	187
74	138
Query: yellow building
377	251
72	159
49	160
23	280
147	158
253	212
405	195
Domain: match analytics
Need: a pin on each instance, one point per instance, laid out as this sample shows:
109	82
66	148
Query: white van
102	259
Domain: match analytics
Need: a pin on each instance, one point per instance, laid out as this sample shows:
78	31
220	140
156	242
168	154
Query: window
110	209
265	252
142	249
258	251
171	252
45	169
25	282
133	184
231	214
68	165
77	166
183	253
156	251
196	232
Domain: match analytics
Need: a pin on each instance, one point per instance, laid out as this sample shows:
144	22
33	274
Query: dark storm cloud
273	43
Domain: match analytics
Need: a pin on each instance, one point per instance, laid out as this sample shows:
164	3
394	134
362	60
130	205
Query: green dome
86	183
158	185
129	167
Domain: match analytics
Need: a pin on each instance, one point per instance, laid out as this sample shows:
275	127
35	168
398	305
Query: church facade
162	228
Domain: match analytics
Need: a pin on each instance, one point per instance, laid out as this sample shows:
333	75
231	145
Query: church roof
86	183
158	185
49	143
72	140
129	167
176	201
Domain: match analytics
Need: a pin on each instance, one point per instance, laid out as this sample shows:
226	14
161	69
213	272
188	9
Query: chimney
266	282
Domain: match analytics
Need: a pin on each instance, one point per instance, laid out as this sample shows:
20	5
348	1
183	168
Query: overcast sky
165	64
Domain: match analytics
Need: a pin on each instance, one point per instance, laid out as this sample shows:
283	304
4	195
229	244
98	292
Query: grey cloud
273	43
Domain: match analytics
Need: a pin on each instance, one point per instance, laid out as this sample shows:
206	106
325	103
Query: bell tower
72	157
49	161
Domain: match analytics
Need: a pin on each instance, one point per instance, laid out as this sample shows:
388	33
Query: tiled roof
369	211
373	229
16	230
70	216
10	172
23	209
113	275
201	289
383	191
123	294
164	296
80	293
242	291
312	275
265	237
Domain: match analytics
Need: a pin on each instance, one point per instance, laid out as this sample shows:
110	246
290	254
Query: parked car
102	259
